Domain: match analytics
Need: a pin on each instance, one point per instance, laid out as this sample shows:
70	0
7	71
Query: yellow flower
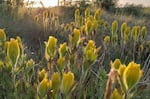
127	31
42	74
116	63
138	31
148	43
29	65
13	51
107	39
131	75
61	63
116	95
83	29
76	37
144	31
90	54
115	38
95	25
50	49
114	27
50	84
63	49
91	44
88	26
43	87
2	35
45	14
122	67
141	48
55	81
87	12
123	27
97	14
77	13
36	18
81	20
67	82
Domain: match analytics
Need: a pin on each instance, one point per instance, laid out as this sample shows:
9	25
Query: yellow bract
13	51
144	31
90	51
76	37
97	14
131	75
62	49
87	12
114	27
61	63
50	49
88	26
67	82
43	87
55	82
121	69
42	74
2	35
116	95
107	39
116	63
123	27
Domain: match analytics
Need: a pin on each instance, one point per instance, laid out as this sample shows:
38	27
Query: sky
143	2
48	3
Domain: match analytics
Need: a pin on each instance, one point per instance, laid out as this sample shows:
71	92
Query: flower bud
114	27
43	87
131	75
116	64
90	52
144	31
13	51
42	74
95	25
29	65
148	43
55	81
87	12
62	49
123	27
88	26
122	67
67	82
97	14
61	63
141	48
76	37
114	38
2	35
116	95
50	49
107	39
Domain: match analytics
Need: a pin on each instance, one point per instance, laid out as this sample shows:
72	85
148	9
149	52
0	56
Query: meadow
74	53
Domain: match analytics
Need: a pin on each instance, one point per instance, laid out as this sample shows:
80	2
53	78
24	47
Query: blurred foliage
134	10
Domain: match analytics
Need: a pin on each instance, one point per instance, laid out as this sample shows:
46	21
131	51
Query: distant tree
107	4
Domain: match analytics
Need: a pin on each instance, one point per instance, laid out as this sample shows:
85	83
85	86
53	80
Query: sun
46	3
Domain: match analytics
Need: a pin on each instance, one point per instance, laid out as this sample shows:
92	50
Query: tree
107	4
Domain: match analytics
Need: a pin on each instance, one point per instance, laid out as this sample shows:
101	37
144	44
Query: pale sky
143	2
48	3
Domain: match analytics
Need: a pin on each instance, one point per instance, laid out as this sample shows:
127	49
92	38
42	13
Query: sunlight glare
46	3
